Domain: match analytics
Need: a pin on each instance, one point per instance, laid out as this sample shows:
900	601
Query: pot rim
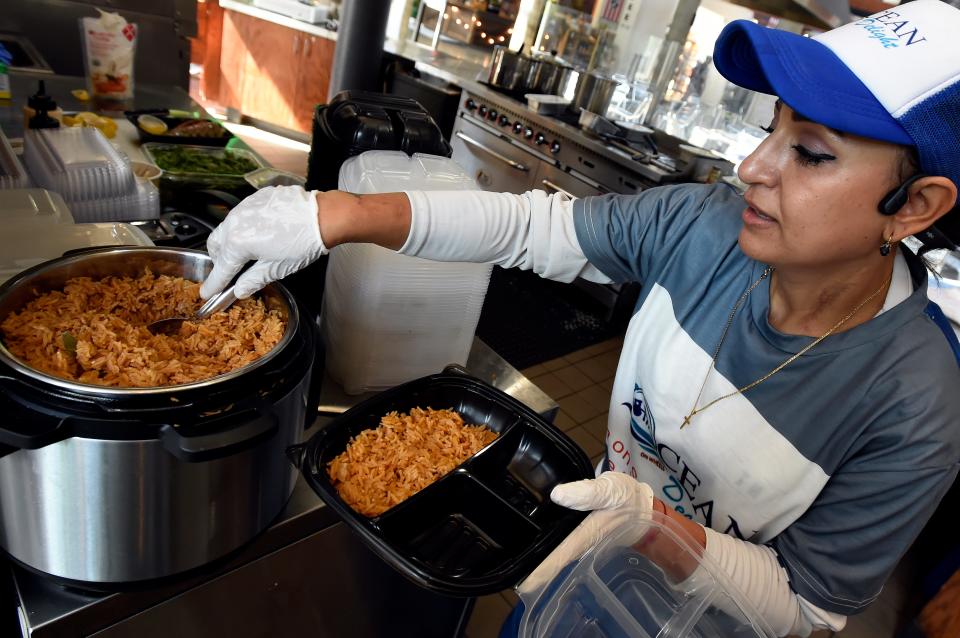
293	319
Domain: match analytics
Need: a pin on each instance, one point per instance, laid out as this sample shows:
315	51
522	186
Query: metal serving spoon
217	303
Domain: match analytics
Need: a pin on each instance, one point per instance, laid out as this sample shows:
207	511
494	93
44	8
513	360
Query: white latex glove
278	227
614	498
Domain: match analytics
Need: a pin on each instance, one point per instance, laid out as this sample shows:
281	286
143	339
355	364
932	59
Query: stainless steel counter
307	574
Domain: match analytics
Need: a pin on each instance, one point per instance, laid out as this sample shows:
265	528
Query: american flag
611	11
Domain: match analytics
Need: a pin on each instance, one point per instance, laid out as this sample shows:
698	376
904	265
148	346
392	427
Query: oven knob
540	140
492	115
517	128
471	105
482	110
528	133
504	120
555	147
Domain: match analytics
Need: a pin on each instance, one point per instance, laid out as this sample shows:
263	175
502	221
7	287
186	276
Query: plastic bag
109	44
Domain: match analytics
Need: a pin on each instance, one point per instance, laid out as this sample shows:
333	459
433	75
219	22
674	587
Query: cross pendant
686	421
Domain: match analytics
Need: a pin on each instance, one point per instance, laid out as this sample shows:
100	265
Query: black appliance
358	121
352	123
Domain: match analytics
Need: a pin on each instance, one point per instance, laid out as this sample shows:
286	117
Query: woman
784	391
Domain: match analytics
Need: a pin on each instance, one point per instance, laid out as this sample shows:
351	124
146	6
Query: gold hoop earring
885	246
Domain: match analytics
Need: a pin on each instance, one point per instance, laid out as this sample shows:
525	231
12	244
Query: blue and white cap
893	76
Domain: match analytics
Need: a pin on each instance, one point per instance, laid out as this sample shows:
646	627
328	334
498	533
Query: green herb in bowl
188	160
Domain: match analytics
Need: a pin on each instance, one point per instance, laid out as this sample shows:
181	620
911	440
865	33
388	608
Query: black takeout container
486	525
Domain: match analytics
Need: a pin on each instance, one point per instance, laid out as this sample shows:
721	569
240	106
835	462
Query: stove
491	117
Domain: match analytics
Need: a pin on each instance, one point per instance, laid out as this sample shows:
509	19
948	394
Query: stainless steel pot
112	486
131	262
547	76
508	69
594	92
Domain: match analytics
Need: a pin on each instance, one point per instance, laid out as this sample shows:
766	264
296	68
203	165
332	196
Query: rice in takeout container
486	524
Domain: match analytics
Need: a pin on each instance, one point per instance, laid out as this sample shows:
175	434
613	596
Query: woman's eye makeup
806	157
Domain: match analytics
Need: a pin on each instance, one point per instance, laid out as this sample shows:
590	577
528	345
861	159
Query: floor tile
552	385
533	371
597	426
597	397
488	615
591	445
580	355
607	385
579	409
555	364
510	596
574	378
564	421
597	368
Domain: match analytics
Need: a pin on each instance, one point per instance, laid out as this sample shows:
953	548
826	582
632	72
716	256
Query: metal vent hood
823	14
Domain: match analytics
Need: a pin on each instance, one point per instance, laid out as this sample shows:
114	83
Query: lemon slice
152	125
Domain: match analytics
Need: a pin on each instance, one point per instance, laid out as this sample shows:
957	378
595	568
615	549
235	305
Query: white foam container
389	318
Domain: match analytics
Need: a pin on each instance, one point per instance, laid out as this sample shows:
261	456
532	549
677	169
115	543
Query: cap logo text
890	29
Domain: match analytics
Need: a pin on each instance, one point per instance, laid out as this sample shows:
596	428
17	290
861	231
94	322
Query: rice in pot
384	466
96	332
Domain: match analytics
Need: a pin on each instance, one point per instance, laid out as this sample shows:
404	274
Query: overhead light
501	38
546	36
490	40
510	31
483	35
479	24
459	21
466	26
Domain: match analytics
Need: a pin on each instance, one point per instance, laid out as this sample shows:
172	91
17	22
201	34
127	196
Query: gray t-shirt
836	462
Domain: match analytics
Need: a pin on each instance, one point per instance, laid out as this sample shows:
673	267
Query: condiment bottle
40	101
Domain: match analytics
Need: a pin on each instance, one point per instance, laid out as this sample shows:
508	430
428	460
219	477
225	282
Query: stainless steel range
508	147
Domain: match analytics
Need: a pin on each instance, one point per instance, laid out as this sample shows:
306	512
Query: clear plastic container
175	178
22	247
12	173
77	162
616	591
143	202
390	318
33	205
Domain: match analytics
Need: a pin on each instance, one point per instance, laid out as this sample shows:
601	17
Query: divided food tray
487	524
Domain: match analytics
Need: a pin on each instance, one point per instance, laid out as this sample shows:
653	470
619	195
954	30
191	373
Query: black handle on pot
22	429
296	454
224	442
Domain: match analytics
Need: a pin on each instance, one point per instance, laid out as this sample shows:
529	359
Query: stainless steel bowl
131	262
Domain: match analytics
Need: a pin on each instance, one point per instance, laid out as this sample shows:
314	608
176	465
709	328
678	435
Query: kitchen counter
282	583
247	8
146	96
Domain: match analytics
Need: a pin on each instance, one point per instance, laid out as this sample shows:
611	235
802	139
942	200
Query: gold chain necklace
695	410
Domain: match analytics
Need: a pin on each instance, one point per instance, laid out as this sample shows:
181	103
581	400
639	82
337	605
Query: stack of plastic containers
615	591
93	177
12	174
389	318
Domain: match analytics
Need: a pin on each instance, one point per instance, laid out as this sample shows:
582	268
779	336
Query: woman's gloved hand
613	499
278	227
